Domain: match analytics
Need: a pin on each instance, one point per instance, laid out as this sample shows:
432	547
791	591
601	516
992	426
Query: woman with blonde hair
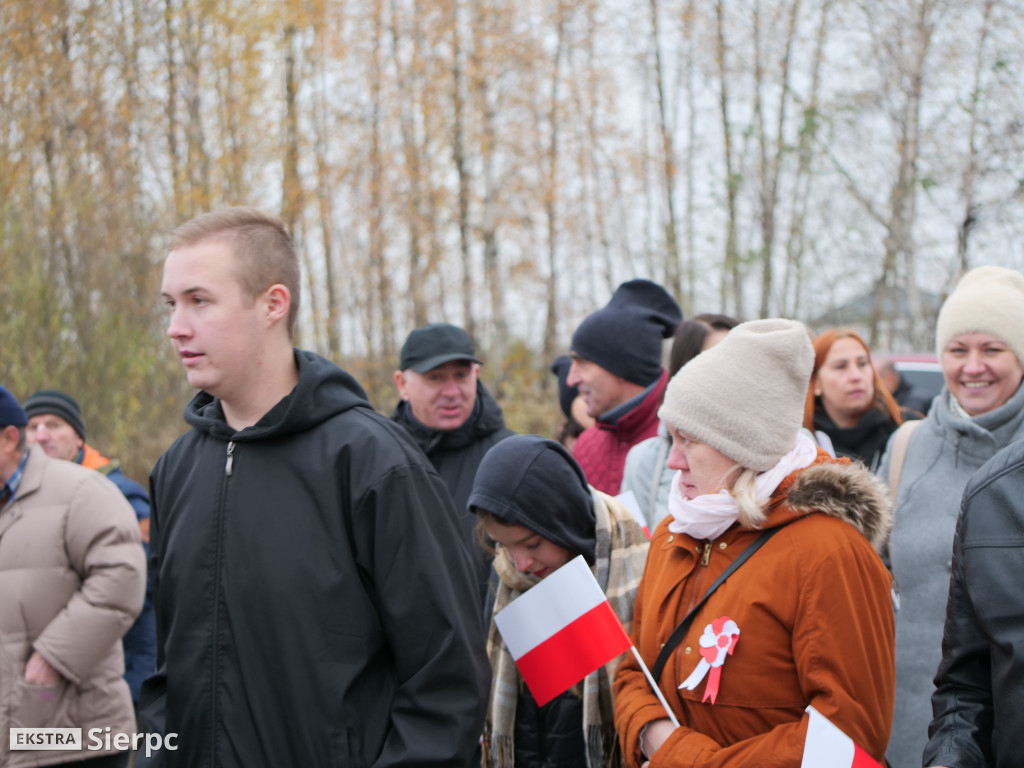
763	593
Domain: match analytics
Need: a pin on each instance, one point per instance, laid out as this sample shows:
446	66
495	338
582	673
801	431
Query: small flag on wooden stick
561	630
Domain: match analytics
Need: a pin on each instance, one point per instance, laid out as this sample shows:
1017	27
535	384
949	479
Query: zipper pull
706	554
230	460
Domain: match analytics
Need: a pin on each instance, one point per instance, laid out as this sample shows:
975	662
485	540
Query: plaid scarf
619	557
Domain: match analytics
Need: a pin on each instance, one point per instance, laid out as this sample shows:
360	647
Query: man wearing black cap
72	576
616	353
55	423
450	415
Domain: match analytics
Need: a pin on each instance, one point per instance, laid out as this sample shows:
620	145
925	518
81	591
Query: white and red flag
828	747
561	630
629	501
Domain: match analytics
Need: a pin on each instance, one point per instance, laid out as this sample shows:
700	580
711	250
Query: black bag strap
681	629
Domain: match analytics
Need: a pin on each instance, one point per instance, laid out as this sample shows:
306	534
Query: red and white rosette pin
716	643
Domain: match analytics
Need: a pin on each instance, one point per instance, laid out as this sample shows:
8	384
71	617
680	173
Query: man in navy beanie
616	363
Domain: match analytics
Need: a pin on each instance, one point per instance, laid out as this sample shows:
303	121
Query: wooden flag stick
654	686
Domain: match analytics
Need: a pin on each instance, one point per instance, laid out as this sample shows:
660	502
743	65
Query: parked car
921	370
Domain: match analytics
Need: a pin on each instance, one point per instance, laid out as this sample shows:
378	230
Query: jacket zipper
215	656
703	558
705	554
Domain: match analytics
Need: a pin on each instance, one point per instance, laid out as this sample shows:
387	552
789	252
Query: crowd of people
785	530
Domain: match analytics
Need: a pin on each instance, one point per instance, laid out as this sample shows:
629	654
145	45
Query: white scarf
708	516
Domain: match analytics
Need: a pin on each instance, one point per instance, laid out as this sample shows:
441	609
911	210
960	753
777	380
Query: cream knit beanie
745	396
986	300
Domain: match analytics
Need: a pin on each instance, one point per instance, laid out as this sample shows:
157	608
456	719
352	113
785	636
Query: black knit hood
530	481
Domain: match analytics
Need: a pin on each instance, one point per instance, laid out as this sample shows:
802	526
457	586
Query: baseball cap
436	344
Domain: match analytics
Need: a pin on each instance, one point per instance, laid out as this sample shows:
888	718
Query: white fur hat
986	300
745	396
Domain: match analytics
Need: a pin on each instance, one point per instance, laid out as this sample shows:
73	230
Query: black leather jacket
978	704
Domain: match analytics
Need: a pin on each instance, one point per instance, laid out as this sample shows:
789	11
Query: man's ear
279	301
9	433
400	384
9	438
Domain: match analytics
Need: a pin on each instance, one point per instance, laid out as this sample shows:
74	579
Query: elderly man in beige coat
72	577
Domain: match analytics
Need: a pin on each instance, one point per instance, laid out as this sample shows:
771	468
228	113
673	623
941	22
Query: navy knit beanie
534	482
59	404
11	414
624	337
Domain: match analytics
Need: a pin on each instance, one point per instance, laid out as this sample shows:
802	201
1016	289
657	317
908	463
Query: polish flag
630	502
828	747
561	630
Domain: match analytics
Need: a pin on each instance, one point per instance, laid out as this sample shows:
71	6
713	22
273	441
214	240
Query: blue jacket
140	640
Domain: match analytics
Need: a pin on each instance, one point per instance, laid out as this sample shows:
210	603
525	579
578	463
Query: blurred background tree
502	166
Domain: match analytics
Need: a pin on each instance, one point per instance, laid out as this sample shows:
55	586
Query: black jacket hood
485	420
324	390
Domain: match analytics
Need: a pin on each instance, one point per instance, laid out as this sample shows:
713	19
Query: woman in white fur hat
805	620
980	343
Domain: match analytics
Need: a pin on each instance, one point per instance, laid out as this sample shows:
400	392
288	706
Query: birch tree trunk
731	275
671	261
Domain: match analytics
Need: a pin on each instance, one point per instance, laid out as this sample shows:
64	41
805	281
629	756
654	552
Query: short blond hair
744	492
263	248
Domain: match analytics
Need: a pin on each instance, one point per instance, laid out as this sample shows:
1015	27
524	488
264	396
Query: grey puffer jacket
72	581
942	455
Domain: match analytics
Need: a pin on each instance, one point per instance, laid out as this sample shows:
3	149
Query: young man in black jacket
314	599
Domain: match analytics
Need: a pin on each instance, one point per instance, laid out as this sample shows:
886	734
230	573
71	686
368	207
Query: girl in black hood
533	502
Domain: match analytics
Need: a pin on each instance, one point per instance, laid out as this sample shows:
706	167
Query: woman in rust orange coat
806	621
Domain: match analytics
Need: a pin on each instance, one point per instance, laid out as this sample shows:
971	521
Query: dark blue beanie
534	482
624	337
11	413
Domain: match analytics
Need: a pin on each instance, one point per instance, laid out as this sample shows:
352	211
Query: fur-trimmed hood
843	490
